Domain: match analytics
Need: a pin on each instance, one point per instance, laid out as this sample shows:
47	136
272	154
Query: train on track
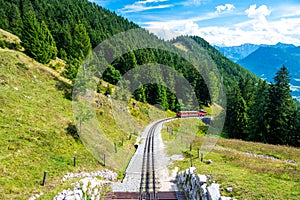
200	113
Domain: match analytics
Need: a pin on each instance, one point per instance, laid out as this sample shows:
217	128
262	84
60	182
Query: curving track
148	166
143	174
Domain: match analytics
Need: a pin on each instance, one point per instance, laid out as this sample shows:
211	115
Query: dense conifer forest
70	29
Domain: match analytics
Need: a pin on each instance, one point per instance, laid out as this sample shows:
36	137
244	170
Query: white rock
192	170
229	189
213	191
203	192
225	198
69	198
202	179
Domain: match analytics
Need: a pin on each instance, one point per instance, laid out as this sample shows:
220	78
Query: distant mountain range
236	53
266	60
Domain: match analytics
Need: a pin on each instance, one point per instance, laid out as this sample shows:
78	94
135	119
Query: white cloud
295	88
150	1
284	30
226	7
192	2
257	29
258	13
142	6
287	10
165	34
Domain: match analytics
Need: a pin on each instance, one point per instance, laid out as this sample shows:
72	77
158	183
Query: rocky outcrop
106	174
196	188
87	188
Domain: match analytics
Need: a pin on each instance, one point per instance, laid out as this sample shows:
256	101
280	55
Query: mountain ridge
236	53
265	60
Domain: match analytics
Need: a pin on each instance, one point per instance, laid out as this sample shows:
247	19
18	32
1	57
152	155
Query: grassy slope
8	37
35	117
250	177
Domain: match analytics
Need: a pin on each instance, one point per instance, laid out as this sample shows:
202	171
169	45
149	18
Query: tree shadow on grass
66	88
72	130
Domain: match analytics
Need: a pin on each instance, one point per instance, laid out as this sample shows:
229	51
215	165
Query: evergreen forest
70	29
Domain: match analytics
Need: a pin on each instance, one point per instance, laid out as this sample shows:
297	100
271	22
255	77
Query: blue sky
223	23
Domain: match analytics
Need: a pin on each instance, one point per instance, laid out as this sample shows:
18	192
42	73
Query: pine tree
31	34
172	100
111	75
37	39
161	97
258	124
280	110
126	62
49	42
4	22
139	94
15	20
236	115
295	136
81	45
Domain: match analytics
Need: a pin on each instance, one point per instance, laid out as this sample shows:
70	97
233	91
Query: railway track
148	181
148	187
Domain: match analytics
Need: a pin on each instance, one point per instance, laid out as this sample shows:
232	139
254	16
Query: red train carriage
199	113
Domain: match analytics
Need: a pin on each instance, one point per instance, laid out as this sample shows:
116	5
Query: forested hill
69	29
68	21
256	110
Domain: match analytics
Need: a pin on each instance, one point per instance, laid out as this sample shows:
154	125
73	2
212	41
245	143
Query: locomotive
199	113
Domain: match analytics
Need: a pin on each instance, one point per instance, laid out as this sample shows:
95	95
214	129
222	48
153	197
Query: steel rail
148	161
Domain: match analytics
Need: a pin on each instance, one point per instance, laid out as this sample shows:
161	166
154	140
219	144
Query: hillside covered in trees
257	110
70	29
263	112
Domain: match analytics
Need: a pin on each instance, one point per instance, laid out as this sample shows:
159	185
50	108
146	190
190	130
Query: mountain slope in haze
230	71
236	53
266	61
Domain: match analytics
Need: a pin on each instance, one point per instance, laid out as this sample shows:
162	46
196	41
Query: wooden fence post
44	178
104	160
74	161
115	147
130	136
